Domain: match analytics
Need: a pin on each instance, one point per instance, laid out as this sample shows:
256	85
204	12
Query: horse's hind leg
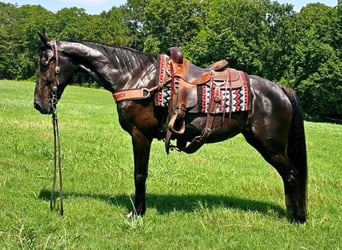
275	154
295	202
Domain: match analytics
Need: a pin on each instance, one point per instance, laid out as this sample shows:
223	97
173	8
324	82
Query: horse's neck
115	70
135	69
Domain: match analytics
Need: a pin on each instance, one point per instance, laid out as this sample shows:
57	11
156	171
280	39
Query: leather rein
57	146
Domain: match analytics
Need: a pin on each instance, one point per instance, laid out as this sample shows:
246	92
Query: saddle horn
175	52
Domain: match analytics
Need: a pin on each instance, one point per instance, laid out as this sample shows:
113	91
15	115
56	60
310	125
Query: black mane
129	58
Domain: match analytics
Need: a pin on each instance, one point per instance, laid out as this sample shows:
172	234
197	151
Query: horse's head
55	70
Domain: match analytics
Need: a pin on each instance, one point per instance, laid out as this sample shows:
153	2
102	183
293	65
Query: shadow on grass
167	203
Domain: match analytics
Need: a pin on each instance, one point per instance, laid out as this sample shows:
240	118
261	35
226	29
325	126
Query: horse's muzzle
38	106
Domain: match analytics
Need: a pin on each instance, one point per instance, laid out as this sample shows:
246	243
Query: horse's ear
44	37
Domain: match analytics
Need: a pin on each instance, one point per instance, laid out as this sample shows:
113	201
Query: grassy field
223	197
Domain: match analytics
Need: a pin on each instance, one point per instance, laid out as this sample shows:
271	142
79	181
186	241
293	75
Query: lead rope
57	145
57	158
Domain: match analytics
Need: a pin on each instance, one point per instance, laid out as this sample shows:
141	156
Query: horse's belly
221	128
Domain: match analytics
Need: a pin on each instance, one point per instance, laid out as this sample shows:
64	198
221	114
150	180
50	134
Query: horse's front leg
141	149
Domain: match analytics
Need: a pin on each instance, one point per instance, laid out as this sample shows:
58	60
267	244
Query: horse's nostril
37	106
40	107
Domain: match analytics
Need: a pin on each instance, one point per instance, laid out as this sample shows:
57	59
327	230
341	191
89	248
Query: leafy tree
133	19
243	34
18	44
110	28
321	92
165	20
7	12
314	65
69	23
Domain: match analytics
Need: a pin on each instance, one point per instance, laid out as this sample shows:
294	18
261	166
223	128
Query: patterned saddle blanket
229	88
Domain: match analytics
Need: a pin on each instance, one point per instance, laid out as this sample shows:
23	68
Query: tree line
301	50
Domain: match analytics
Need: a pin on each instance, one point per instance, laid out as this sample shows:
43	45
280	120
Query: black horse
273	125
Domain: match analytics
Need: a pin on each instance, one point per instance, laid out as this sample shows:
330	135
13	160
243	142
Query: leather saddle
185	78
188	76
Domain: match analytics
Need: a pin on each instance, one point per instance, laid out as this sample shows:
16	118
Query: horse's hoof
300	219
134	214
131	215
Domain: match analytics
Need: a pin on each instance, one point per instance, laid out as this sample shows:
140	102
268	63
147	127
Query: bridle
54	95
57	147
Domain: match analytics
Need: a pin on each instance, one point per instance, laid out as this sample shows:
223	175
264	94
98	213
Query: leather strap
199	140
132	94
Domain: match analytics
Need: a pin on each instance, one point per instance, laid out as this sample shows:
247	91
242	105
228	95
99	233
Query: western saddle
185	78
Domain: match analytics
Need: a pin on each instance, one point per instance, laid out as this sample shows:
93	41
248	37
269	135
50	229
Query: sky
97	6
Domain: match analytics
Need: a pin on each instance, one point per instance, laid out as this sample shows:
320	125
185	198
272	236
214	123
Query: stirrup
171	126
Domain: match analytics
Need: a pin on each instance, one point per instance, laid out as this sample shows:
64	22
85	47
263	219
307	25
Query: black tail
296	143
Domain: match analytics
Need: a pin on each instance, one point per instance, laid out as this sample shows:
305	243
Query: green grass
223	197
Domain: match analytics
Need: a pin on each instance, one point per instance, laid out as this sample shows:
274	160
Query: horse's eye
43	65
49	53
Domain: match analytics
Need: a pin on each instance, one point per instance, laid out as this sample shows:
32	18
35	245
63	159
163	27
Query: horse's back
269	97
